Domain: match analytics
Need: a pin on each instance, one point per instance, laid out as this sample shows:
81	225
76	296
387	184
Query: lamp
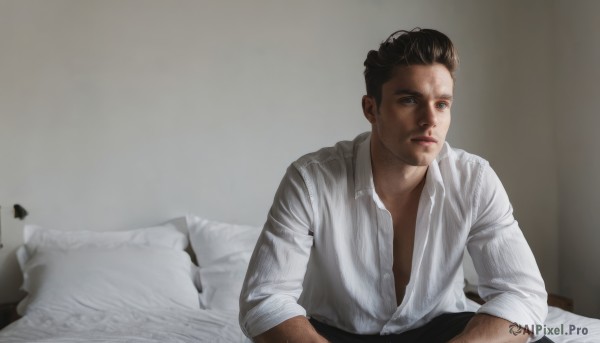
20	213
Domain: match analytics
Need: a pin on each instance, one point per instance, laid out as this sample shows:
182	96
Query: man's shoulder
450	156
461	172
341	152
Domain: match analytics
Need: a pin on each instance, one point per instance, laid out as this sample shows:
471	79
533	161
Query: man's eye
408	100
442	105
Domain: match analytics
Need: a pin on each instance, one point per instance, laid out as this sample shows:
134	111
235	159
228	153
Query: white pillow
79	281
470	275
89	270
222	285
223	252
170	235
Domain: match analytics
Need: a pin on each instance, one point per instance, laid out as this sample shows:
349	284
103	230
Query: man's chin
422	160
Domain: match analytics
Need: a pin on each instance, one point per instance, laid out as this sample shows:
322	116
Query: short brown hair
404	48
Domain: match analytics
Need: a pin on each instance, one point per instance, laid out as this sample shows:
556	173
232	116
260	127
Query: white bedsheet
561	321
44	326
131	327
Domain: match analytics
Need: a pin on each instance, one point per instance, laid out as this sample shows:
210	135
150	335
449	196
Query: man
367	237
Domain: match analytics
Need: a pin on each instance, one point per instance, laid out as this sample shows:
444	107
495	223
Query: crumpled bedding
181	326
187	326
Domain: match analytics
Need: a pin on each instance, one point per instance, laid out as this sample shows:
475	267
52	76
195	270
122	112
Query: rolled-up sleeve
277	268
509	278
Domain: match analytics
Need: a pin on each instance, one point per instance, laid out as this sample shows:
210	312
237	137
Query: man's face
409	126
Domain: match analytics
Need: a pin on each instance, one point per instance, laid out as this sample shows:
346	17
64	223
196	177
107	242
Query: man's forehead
407	67
421	70
416	79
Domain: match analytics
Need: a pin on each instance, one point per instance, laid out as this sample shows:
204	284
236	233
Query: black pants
441	329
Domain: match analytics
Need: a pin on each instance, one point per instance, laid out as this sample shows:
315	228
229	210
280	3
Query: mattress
181	326
189	326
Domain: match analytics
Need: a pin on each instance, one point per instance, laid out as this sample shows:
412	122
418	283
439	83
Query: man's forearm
485	328
294	330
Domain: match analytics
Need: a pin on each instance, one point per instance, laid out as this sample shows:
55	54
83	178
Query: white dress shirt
326	248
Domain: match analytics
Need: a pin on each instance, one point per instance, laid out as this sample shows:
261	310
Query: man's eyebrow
419	94
407	92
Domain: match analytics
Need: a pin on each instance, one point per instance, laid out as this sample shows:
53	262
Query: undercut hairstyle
405	48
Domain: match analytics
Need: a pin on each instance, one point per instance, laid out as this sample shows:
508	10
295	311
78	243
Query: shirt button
386	275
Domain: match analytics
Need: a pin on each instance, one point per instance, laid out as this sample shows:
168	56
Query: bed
140	285
147	285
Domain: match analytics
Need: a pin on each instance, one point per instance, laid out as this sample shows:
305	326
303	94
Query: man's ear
369	108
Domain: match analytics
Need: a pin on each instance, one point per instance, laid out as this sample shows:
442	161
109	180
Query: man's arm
509	279
278	265
293	330
489	329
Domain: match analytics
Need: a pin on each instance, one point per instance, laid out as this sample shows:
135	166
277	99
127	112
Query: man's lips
424	139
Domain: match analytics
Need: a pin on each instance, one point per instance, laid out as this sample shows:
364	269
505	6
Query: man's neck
394	184
394	179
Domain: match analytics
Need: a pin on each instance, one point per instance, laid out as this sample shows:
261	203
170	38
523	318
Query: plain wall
123	114
577	47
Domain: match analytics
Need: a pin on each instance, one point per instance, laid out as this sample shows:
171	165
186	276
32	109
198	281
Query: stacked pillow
144	269
470	274
79	271
223	252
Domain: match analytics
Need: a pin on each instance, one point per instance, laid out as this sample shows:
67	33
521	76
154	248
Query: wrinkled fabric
125	326
326	248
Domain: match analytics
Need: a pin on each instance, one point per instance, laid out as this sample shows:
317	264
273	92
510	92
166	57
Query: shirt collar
363	175
433	180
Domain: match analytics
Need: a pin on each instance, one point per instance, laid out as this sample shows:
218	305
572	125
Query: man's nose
428	116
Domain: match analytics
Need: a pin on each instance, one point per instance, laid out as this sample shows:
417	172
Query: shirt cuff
529	314
268	314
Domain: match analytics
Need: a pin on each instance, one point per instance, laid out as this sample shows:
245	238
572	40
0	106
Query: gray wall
576	102
120	114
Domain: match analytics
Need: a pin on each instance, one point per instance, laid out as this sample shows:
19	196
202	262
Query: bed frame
8	314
